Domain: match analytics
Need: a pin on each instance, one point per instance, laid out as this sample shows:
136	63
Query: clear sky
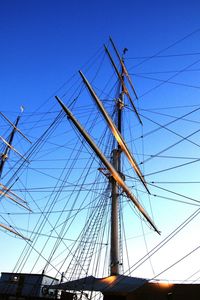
44	42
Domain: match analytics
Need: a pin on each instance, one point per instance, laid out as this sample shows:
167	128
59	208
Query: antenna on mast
22	108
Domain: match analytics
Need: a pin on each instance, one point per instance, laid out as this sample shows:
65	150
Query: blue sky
44	42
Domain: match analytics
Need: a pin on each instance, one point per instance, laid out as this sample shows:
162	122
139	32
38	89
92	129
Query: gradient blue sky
44	42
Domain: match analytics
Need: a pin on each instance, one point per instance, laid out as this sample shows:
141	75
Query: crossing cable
153	184
176	262
169	191
171	116
169	78
168	81
162	72
167	48
172	168
165	56
186	138
165	125
154	250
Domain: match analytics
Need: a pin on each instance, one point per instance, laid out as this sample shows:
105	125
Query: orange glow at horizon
110	279
165	284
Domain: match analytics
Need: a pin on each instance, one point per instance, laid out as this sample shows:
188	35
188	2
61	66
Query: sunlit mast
116	161
116	156
114	166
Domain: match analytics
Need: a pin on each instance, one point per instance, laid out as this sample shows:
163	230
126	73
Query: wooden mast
116	128
107	164
114	240
114	167
115	227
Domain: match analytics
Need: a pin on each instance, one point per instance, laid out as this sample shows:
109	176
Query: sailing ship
92	181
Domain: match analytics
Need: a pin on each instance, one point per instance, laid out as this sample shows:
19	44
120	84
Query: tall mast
118	184
116	161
